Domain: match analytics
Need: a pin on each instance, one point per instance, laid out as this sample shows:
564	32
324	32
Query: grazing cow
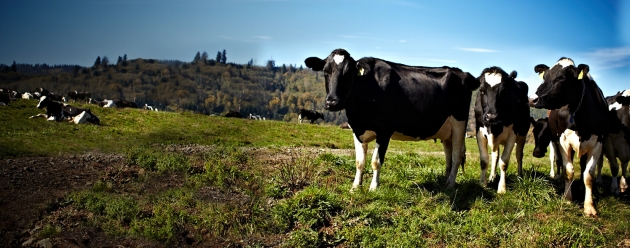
27	95
255	117
107	104
616	145
565	84
75	95
234	114
502	118
310	115
385	100
57	111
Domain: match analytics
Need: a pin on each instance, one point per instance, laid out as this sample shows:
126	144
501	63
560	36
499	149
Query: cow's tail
470	82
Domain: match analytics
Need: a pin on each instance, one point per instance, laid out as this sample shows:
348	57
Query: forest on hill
204	85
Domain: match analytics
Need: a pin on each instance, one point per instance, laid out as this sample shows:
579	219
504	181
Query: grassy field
269	183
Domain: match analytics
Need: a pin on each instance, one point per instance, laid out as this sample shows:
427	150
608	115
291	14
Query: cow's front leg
588	175
448	151
567	164
482	143
504	161
361	152
382	141
520	144
494	159
623	186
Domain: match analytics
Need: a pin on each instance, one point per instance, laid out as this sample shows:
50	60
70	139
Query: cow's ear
540	69
363	68
582	70
315	63
513	74
623	100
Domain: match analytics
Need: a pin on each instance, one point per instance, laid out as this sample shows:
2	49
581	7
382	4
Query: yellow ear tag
581	76
541	75
361	72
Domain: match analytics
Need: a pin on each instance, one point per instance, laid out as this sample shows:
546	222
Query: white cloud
610	58
263	37
402	41
476	50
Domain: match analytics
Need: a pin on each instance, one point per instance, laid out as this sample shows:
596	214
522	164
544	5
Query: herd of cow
58	110
384	100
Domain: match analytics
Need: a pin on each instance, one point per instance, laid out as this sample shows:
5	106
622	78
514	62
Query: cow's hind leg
378	158
520	144
361	152
448	151
458	132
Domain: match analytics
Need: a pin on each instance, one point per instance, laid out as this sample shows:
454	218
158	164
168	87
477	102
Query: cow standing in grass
502	117
385	100
311	115
568	86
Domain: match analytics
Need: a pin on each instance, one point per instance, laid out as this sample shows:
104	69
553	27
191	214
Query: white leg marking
361	151
376	165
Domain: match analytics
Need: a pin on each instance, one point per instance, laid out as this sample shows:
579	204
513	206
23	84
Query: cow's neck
574	110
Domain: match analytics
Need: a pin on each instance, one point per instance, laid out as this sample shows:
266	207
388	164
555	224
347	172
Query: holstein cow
122	103
5	98
616	145
564	84
310	115
547	133
75	95
57	111
502	118
385	100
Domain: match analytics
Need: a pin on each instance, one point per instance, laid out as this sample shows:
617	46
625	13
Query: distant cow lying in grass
57	111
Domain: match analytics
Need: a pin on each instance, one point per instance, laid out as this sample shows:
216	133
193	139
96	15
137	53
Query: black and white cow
122	103
385	100
82	96
311	115
547	133
5	98
502	118
565	84
57	111
233	114
616	145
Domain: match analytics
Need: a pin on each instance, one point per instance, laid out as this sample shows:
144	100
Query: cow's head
339	71
43	102
497	93
560	83
542	136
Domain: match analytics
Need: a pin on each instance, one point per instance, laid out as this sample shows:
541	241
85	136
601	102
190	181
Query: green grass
233	194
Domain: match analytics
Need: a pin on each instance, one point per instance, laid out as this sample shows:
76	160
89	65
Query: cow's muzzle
538	153
490	117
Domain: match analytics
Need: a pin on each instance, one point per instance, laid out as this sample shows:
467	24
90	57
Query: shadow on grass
463	195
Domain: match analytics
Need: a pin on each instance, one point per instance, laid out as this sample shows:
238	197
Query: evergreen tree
218	56
124	60
119	60
271	64
14	66
197	57
105	62
223	57
204	57
97	62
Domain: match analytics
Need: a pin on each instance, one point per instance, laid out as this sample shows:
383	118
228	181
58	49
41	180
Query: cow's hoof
590	211
501	191
354	189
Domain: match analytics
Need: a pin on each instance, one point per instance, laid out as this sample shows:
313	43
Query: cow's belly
570	140
444	133
498	139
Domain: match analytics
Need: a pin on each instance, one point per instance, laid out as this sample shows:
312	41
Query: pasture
172	179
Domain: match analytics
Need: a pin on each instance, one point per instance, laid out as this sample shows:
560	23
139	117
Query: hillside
201	86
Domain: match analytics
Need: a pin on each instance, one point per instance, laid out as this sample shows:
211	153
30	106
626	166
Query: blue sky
471	35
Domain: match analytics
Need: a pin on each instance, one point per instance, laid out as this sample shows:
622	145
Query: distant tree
223	57
97	62
204	57
105	62
271	64
124	60
75	70
218	56
250	63
119	60
14	66
283	69
197	57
